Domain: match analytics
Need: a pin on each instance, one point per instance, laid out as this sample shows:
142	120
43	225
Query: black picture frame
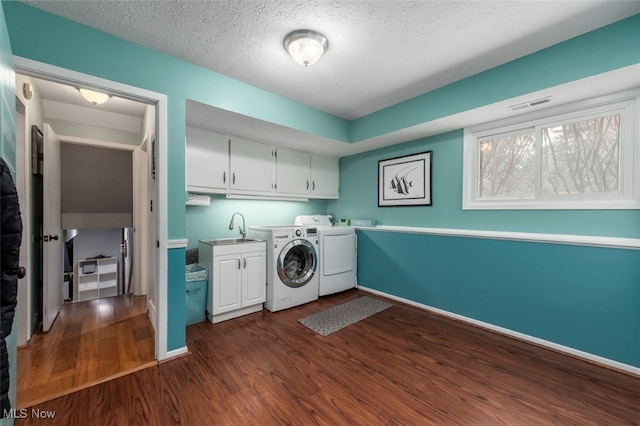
405	180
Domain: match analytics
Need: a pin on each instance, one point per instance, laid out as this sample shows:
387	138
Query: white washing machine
292	262
338	253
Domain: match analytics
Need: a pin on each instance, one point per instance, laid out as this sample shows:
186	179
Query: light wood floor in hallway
89	342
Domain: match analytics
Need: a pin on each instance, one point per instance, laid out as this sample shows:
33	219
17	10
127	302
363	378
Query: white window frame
625	103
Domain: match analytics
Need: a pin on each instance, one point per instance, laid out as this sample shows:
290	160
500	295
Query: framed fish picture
405	181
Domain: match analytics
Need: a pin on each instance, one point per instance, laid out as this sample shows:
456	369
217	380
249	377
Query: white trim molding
580	240
179	243
606	362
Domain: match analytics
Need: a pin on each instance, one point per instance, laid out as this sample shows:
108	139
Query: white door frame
52	72
23	173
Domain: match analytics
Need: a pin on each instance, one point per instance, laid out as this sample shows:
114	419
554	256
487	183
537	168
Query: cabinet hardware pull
224	177
233	178
307	185
238	263
245	263
313	187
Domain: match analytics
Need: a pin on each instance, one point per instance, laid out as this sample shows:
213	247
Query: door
324	176
207	156
226	282
52	229
338	254
292	172
251	166
254	272
297	263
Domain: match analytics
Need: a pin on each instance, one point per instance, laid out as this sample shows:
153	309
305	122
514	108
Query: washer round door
297	263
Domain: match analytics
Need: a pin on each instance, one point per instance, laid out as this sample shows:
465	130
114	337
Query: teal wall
207	222
608	48
53	40
586	298
359	198
8	152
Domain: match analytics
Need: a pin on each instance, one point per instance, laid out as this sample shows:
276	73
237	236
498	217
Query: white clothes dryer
338	254
292	262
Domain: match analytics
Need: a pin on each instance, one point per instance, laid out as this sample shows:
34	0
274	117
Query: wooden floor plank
88	342
403	365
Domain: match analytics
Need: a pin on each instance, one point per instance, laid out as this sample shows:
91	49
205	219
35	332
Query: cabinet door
325	176
227	288
254	278
292	172
207	156
252	166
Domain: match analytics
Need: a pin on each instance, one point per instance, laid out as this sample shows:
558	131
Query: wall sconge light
306	46
96	98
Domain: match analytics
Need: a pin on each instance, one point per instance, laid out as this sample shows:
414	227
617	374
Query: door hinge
151	205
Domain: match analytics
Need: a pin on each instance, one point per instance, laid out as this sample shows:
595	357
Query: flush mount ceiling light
94	97
306	46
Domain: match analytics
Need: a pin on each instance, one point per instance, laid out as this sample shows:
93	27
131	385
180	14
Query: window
580	156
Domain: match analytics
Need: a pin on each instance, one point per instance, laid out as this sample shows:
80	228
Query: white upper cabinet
292	172
207	157
324	177
252	166
220	164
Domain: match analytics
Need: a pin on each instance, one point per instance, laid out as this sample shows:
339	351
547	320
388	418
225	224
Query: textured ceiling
380	52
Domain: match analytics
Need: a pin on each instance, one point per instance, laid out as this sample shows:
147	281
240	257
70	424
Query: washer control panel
311	232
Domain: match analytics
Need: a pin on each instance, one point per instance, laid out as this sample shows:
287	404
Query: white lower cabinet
237	278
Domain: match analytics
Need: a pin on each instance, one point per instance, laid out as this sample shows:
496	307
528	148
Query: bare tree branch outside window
507	165
581	157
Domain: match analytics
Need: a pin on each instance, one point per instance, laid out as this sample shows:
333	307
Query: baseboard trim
176	352
595	359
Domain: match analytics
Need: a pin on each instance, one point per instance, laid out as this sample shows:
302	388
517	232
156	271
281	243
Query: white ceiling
380	52
415	47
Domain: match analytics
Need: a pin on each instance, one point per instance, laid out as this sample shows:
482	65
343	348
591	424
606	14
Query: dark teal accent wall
176	293
585	298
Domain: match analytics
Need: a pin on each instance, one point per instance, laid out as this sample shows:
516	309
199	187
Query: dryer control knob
298	232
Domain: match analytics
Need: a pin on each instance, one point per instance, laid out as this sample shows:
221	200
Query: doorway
143	224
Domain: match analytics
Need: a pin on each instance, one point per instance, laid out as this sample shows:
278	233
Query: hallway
90	342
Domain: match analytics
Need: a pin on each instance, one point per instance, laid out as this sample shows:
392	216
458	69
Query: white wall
95	181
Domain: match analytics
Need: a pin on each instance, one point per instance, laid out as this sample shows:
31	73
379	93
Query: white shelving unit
96	278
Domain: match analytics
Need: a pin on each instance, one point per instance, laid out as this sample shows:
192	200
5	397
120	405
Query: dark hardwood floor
403	365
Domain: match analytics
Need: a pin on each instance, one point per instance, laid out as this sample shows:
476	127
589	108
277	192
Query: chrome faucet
243	229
